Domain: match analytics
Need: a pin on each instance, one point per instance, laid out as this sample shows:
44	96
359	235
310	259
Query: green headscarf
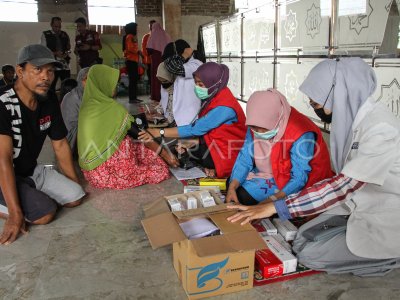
103	122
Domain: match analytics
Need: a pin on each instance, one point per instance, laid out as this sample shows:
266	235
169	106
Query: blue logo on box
207	277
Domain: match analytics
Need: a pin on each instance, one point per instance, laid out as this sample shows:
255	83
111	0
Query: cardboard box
280	240
196	188
221	183
207	266
285	228
269	227
268	264
288	262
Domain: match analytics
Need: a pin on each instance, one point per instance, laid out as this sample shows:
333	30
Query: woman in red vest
220	126
284	152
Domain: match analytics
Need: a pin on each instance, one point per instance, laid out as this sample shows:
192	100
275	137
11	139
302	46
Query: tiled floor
99	251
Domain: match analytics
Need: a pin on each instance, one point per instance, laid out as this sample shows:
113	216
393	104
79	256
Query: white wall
15	35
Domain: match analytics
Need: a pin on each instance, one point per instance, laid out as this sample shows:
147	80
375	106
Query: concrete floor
100	251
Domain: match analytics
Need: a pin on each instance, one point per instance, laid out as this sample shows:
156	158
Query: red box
268	264
259	227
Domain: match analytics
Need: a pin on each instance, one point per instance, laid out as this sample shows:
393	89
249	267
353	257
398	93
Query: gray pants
333	256
40	193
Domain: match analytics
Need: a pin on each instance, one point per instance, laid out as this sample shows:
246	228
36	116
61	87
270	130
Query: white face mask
265	135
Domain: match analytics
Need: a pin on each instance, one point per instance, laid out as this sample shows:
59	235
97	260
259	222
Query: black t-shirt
28	128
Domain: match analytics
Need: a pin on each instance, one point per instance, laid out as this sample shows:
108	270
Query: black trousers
148	71
34	203
201	154
62	74
133	76
243	196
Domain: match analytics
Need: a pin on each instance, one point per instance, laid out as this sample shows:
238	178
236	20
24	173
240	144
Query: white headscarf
353	82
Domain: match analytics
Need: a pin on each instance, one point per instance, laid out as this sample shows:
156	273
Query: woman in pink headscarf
283	153
155	47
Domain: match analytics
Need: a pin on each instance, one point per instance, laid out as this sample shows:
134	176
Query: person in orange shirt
146	56
131	54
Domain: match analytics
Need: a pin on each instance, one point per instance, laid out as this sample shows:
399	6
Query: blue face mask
201	92
265	135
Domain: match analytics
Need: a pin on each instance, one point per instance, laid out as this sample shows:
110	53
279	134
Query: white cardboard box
288	260
269	227
287	229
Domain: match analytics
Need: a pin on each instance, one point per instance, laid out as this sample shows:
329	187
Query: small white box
279	238
205	195
269	227
286	228
175	204
207	202
191	202
289	260
198	188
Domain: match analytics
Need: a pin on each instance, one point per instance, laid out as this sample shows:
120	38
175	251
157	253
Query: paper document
198	228
182	174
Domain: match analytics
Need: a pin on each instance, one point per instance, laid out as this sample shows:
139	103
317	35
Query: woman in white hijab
358	231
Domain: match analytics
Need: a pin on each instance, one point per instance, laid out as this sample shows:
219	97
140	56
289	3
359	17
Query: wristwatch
162	132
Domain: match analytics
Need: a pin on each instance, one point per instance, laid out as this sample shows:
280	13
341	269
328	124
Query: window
111	12
346	7
18	11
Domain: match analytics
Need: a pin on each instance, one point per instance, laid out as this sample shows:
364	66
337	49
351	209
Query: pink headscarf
158	38
267	109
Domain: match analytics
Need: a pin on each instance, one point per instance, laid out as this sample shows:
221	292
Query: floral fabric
131	165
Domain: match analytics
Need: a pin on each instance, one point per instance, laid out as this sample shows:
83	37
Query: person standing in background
87	45
59	43
8	75
131	54
179	61
155	47
146	56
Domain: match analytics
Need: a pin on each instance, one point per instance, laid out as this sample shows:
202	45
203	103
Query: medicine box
206	266
285	228
275	260
269	227
221	183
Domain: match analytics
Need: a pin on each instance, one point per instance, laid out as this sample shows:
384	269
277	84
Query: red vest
225	141
299	124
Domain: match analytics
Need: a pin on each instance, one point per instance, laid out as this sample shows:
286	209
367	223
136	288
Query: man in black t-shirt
31	192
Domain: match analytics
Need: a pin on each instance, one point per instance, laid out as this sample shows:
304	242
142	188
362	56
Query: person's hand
170	159
148	135
231	196
12	227
249	213
187	53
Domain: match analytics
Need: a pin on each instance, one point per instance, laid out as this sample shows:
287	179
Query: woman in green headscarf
108	156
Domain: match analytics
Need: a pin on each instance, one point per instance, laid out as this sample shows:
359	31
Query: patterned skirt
132	165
